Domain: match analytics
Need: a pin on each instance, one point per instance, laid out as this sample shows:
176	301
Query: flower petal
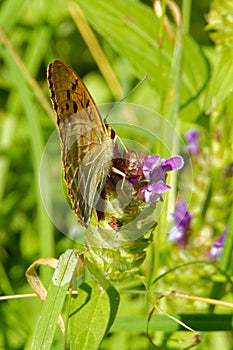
192	137
149	165
159	187
182	219
151	192
217	247
173	163
181	215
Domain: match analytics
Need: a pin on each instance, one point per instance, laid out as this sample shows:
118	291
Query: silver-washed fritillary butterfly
86	143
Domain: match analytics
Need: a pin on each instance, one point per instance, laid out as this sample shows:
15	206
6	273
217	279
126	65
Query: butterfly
86	143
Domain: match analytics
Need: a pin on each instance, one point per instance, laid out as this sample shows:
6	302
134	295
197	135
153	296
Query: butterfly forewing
87	147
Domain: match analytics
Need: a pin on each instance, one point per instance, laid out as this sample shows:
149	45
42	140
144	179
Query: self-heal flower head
156	175
192	137
182	219
217	247
134	185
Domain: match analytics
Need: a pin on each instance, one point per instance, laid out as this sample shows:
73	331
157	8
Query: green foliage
46	326
220	22
140	44
95	308
201	79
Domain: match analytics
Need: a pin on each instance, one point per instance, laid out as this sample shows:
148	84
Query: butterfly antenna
125	97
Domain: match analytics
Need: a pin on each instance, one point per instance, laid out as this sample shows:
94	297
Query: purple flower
142	181
151	193
149	165
182	219
156	176
173	163
217	247
192	137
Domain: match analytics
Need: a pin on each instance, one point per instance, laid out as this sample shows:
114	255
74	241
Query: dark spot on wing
82	103
68	94
55	106
75	107
67	106
51	87
74	85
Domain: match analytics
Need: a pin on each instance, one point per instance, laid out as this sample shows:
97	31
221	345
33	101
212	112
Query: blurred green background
40	31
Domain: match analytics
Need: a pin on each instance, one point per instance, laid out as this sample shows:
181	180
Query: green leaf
221	83
47	322
94	311
132	30
195	76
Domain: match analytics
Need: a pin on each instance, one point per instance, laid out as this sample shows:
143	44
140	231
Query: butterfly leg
118	172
